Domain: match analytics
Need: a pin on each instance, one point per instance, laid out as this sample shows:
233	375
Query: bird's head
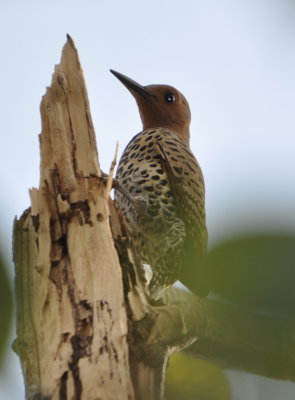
160	106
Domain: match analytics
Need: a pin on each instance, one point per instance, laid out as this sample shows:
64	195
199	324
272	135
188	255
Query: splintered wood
72	324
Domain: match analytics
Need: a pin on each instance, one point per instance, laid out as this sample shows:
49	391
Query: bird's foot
156	290
139	203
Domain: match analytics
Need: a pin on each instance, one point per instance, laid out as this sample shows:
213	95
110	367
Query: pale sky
233	60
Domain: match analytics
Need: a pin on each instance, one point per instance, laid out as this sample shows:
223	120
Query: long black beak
131	85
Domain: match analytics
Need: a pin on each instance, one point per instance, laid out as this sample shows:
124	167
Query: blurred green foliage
5	309
192	379
256	272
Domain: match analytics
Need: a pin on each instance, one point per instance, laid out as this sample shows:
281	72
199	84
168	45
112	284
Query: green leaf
192	379
256	272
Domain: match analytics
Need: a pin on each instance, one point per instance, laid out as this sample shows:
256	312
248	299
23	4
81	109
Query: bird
162	195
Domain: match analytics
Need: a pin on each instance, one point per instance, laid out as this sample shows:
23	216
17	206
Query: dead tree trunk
71	320
72	316
85	328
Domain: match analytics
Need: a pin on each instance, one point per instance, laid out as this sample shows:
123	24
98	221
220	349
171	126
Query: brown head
160	106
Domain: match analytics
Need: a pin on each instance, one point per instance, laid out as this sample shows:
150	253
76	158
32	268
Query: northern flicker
163	204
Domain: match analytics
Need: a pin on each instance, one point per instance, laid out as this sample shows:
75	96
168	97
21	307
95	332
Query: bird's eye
170	97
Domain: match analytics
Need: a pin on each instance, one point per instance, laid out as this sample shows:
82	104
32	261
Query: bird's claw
138	202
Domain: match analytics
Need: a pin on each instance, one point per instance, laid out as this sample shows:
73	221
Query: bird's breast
141	172
158	168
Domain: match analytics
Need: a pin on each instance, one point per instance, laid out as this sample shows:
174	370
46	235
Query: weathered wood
71	319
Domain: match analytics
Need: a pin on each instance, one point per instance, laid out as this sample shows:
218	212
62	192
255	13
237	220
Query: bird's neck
181	131
184	134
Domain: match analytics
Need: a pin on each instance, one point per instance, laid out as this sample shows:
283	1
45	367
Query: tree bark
71	315
85	326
